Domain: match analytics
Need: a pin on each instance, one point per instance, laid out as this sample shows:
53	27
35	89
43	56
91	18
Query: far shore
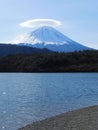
82	119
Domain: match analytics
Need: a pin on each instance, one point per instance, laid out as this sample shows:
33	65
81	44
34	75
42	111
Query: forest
82	61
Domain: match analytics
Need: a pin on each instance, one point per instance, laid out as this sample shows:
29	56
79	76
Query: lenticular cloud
40	22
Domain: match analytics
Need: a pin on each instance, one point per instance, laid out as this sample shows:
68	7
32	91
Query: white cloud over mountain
40	22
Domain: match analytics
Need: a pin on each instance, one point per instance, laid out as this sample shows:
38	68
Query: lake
28	97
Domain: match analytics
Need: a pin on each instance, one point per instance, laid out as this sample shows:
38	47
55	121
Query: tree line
82	61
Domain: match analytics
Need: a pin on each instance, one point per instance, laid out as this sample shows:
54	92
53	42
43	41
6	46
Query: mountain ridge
10	49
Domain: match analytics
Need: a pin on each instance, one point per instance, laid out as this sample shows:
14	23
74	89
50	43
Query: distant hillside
83	61
10	49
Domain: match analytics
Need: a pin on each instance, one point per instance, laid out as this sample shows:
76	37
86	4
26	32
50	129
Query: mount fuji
50	38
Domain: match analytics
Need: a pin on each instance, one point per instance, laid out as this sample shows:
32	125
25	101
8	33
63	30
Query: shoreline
81	119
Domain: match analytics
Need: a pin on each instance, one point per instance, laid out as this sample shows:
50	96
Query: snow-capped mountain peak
48	37
45	34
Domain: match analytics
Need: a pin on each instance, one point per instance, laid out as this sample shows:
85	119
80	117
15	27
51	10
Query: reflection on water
29	97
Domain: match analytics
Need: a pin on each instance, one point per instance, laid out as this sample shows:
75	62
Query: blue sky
79	18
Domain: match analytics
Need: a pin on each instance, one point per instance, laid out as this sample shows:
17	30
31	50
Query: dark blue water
25	98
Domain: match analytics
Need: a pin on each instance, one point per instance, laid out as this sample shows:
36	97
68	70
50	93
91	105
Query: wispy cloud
40	22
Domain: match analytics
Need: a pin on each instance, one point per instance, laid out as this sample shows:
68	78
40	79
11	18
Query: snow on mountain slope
48	37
